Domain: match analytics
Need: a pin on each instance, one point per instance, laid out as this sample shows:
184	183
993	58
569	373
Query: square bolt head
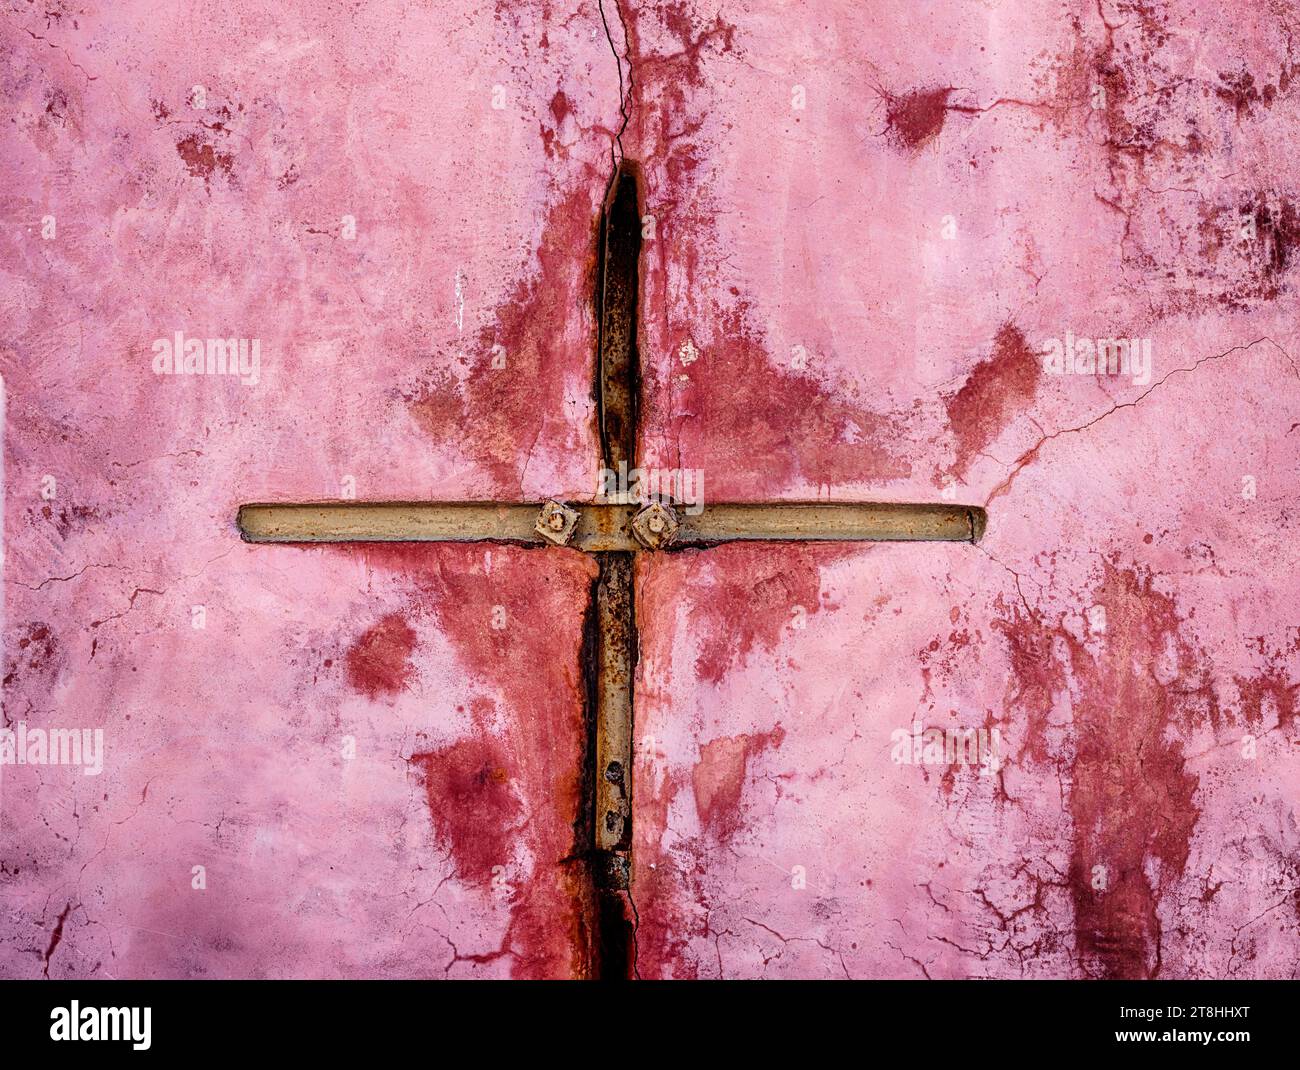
556	522
655	526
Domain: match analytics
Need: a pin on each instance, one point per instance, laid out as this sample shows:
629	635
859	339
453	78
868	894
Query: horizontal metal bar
831	522
388	522
605	526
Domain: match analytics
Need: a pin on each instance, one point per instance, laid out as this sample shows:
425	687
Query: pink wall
380	782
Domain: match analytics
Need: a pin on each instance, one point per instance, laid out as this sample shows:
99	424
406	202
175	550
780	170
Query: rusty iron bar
618	389
604	528
616	654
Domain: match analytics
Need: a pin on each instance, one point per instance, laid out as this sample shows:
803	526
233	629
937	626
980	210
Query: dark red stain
914	119
667	884
473	804
1271	687
487	411
1132	801
69	518
551	141
720	776
1234	273
39	654
753	596
1038	674
1227	271
750	420
945	654
561	106
669	895
1230	272
753	425
379	661
745	416
56	108
996	389
1153	116
694	39
673	895
1096	81
1133	691
949	655
1240	91
498	786
1277	227
56	937
202	159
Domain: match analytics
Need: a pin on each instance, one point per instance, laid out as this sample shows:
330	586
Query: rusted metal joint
556	522
655	526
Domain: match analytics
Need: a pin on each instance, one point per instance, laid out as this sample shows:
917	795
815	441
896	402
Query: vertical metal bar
618	384
616	663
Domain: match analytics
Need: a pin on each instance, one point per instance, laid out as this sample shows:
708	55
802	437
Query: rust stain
995	390
1037	675
379	661
915	119
1269	687
561	106
203	160
685	65
793	423
472	803
486	791
767	424
70	519
1131	798
754	597
39	653
1159	127
483	410
719	778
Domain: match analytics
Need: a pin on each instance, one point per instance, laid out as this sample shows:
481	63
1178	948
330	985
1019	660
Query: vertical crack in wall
610	645
618	373
624	87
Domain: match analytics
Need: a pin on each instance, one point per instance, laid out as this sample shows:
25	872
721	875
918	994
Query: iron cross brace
614	532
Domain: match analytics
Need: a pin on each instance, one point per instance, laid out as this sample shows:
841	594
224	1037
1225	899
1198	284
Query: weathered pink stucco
866	224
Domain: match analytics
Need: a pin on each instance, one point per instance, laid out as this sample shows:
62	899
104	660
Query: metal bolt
556	522
655	526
